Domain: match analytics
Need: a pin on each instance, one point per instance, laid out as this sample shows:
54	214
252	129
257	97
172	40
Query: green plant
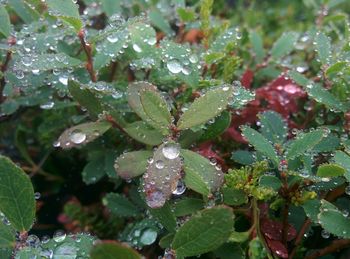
174	128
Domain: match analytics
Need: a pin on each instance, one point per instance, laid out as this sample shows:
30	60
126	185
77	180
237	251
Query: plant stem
88	51
256	219
334	246
299	238
11	41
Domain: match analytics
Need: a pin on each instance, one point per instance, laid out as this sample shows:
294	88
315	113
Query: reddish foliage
206	150
277	247
281	95
247	78
273	230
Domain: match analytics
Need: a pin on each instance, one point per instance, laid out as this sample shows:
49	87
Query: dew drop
136	48
59	236
171	150
174	66
148	236
325	234
180	188
159	164
77	137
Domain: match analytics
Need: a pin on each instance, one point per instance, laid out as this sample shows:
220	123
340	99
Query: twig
300	236
11	41
88	51
333	247
113	71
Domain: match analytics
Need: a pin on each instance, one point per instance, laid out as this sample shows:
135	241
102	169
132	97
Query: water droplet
193	59
174	66
171	150
77	137
136	48
33	241
325	234
113	38
152	41
47	106
159	164
56	144
155	199
59	236
37	195
180	188
27	61
45	239
148	236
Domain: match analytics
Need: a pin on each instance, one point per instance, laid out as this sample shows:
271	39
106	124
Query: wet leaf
163	174
156	109
16	195
234	197
303	143
7	236
144	133
204	232
343	159
323	47
66	10
132	164
330	170
187	206
113	250
120	205
257	45
24	10
216	128
85	98
260	143
82	134
273	127
206	107
201	175
5	24
165	216
284	45
333	221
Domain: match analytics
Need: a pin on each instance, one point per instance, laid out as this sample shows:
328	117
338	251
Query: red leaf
273	230
205	149
277	247
247	78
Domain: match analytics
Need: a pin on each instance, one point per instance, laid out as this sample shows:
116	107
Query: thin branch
300	236
11	41
336	245
88	51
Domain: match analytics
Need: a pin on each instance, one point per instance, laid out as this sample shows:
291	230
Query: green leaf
327	144
165	216
85	97
166	241
45	62
241	96
317	92
330	170
7	236
186	14
343	159
312	208
163	174
134	99
206	107
216	128
111	7
273	127
94	171
257	44
5	24
333	221
284	45
156	109
159	21
200	174
204	232
187	206
66	10
120	205
270	181
113	250
323	47
16	195
260	143
144	133
234	197
243	157
303	143
132	164
82	134
336	68
24	10
225	41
